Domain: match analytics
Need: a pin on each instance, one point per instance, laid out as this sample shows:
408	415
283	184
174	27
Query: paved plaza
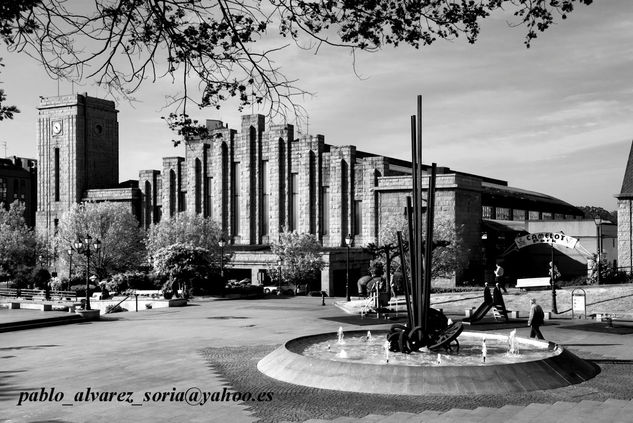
137	366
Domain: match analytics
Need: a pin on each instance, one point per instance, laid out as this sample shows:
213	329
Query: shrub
41	276
115	309
611	275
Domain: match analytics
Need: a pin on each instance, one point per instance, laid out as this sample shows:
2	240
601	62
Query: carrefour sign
546	238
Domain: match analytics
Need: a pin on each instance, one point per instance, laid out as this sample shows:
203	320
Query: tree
183	264
186	228
593	212
17	241
299	255
118	230
227	47
449	254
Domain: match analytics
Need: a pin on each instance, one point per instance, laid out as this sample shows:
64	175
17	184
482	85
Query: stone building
78	148
18	179
625	218
258	180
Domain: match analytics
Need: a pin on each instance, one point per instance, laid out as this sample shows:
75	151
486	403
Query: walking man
536	319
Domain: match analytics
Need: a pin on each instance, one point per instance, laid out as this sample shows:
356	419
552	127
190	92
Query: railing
29	294
111	309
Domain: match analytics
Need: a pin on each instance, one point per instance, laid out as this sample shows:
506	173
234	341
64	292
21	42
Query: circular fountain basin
361	365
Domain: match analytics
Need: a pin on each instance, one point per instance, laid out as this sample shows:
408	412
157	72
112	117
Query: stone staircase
609	411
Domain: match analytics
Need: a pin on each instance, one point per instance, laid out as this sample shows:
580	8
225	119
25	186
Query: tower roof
627	182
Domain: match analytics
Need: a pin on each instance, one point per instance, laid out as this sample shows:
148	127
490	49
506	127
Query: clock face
57	128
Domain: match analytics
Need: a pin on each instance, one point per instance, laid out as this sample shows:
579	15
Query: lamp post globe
222	243
348	243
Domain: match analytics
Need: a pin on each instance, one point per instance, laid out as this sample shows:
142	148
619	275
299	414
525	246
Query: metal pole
428	252
554	309
222	263
412	267
414	230
599	255
403	269
70	270
87	276
347	276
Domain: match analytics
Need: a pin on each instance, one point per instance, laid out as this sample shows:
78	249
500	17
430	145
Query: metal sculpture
426	327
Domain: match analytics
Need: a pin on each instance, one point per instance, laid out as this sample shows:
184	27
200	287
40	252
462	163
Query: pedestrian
499	279
554	274
536	319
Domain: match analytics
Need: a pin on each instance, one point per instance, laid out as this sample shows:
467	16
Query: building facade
18	182
258	180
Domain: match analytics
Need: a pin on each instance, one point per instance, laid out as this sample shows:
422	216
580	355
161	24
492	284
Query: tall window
56	174
207	198
148	204
16	188
358	217
3	190
172	192
198	186
265	199
22	189
325	210
235	183
294	201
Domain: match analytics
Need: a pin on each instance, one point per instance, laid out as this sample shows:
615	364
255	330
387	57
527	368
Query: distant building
18	181
259	180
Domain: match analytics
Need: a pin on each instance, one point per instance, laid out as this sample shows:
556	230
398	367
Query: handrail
118	304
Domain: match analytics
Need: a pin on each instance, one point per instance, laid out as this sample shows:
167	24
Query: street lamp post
86	248
279	262
348	243
222	243
552	280
598	221
70	267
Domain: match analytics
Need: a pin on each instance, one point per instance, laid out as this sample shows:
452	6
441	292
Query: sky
556	118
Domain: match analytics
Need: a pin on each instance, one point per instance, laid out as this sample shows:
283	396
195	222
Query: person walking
499	278
535	321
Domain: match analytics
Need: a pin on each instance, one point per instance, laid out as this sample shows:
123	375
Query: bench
527	283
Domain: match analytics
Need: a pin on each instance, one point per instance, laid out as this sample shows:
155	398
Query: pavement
157	365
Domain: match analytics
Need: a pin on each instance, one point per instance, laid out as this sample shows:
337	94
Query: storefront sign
546	238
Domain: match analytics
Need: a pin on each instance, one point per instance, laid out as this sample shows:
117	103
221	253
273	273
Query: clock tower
78	149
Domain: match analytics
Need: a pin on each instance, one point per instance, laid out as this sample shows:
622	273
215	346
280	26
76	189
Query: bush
611	275
115	309
81	289
41	276
122	282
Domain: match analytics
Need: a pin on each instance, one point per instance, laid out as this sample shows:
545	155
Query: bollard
322	298
136	295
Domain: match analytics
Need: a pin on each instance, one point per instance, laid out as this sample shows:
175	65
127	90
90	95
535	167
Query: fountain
341	335
424	356
513	347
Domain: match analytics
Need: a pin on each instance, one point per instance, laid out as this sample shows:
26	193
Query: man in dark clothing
487	294
536	319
